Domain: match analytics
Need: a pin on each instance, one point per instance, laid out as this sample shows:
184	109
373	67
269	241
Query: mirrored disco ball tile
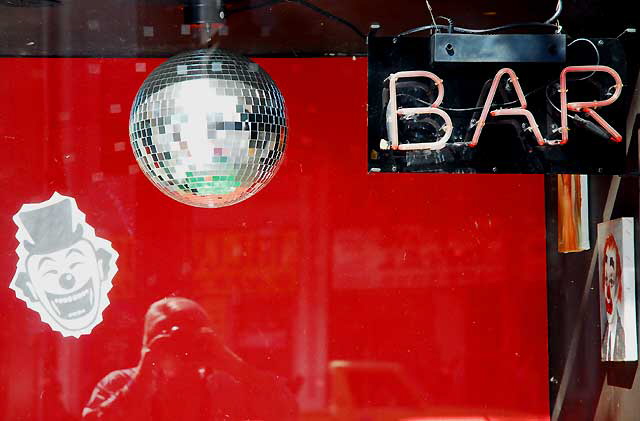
208	128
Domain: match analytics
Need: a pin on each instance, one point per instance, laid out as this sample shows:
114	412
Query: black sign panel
531	139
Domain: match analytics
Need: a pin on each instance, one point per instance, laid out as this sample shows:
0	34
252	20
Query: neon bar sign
587	107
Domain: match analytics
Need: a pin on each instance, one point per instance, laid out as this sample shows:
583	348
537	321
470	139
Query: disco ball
208	128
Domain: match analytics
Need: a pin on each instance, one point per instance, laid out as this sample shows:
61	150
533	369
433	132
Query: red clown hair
610	243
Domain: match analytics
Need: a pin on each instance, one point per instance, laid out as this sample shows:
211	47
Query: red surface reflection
187	372
440	275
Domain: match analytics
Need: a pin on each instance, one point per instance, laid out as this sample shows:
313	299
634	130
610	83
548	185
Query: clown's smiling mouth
74	305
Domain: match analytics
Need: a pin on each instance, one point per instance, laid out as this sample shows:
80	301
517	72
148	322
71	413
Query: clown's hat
50	228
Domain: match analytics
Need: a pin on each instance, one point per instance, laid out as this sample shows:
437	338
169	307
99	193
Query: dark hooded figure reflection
186	372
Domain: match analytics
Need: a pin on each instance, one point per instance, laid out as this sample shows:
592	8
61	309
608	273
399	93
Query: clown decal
64	271
617	290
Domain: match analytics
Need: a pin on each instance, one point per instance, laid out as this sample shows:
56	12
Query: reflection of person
185	372
613	338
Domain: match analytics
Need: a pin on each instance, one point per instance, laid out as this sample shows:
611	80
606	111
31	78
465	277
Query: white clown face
67	284
64	271
611	283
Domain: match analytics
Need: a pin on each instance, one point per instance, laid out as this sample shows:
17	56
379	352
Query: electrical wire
464	110
449	21
306	4
420	29
557	14
433	19
555	107
253	7
450	28
506	28
546	24
627	31
460	30
594	48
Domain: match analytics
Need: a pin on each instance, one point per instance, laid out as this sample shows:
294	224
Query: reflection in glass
186	372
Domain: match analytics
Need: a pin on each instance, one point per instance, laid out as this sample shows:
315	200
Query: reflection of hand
223	359
219	356
149	365
189	349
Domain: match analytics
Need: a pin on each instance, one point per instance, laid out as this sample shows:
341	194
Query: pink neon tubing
586	107
448	126
615	136
393	103
532	121
492	92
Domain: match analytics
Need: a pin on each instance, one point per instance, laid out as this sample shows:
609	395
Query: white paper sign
64	271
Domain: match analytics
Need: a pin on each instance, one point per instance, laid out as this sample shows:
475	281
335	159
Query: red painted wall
444	274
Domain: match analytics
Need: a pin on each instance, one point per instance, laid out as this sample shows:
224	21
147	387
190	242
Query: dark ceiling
117	28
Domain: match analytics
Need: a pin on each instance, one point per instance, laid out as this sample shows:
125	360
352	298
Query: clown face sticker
617	290
64	271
